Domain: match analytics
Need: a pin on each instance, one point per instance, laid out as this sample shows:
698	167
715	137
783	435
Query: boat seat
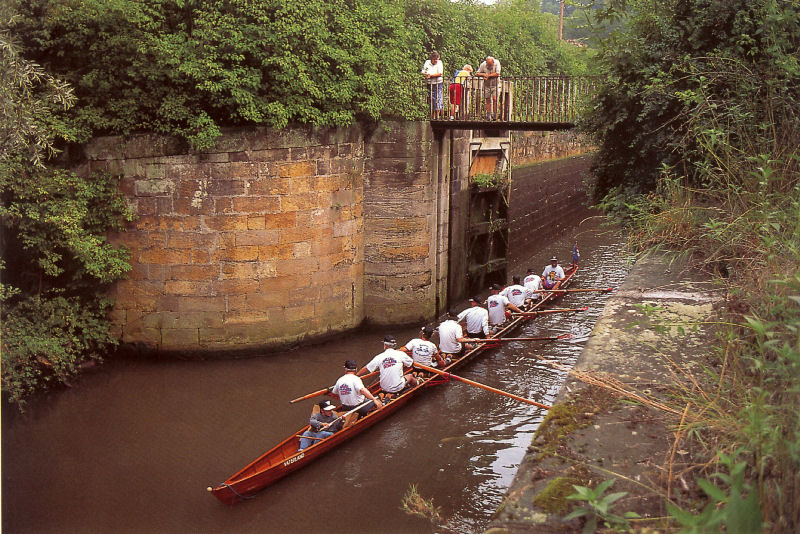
350	419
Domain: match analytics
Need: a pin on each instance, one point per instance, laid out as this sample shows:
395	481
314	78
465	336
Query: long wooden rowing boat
284	458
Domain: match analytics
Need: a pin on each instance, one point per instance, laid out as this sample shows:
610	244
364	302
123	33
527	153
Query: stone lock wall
261	241
533	147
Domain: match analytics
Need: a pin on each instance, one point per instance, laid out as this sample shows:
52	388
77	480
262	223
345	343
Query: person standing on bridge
433	69
489	70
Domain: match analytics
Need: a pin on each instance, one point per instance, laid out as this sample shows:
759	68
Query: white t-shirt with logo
477	319
497	309
391	362
515	294
349	389
533	282
421	351
449	332
553	273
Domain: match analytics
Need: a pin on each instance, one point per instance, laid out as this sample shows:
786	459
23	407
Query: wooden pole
479	385
493	340
604	289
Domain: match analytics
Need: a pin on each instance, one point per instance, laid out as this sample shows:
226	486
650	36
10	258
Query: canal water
134	445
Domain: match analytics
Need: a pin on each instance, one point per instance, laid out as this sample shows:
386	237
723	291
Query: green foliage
189	68
597	508
56	260
727	505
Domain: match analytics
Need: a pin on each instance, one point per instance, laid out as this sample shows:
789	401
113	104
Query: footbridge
538	103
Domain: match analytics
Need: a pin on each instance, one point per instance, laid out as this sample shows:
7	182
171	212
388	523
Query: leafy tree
56	260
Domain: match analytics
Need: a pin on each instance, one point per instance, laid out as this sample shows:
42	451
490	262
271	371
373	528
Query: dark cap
453	311
350	364
496	287
389	338
531	270
427	331
515	279
475	299
554	259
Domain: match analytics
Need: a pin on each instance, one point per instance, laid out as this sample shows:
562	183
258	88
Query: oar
478	384
555	310
327	425
494	340
324	391
604	289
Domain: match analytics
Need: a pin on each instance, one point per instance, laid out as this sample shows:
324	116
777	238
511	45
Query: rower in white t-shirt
351	391
422	350
552	274
533	283
451	335
515	293
476	319
497	305
391	363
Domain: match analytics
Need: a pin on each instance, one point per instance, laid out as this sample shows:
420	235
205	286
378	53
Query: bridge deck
530	126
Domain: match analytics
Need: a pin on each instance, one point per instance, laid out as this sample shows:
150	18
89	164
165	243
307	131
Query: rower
533	283
497	305
352	393
422	350
476	319
552	273
324	423
451	336
515	293
391	363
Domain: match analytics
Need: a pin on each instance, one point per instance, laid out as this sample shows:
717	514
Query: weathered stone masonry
261	241
273	237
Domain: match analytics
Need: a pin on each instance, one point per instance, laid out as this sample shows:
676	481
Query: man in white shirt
533	283
476	319
515	293
489	70
391	363
497	305
351	391
552	274
451	335
422	350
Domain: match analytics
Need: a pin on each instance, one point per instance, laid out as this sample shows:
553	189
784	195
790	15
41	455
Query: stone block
248	270
201	304
225	222
238	253
150	337
179	240
173	338
345	228
301	250
200	256
298	202
256	204
194	272
287	282
267	299
295	169
257	237
298	153
234	287
226	187
302	312
153	187
280	251
297	266
256	222
194	206
188	287
222	205
165	256
272	154
296	235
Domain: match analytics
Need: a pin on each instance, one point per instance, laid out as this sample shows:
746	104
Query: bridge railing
520	99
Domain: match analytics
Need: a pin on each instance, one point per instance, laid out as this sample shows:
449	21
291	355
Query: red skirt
456	89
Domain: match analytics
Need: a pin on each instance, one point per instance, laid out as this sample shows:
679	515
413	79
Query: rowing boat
284	458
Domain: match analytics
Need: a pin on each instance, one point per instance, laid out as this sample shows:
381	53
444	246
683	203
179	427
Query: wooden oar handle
323	391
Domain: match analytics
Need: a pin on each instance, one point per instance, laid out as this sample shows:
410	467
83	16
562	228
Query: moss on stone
552	499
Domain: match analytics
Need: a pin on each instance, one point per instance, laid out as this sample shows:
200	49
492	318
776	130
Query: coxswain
351	391
552	273
422	350
497	305
324	423
515	293
391	363
476	319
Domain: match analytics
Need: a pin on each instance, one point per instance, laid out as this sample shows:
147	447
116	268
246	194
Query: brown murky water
133	448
